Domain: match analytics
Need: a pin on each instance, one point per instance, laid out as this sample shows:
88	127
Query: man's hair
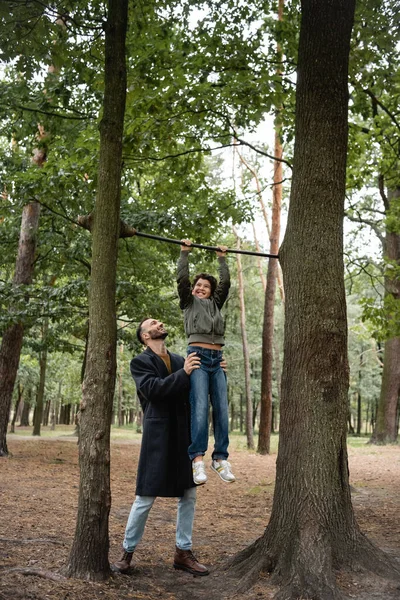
210	278
139	330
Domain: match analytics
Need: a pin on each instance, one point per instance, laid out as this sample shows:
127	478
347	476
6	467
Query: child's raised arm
221	293
182	278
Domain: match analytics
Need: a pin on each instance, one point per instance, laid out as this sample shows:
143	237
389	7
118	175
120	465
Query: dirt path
38	501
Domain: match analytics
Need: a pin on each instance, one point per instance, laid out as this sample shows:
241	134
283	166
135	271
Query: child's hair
210	278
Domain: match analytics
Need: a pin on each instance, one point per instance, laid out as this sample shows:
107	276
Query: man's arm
158	389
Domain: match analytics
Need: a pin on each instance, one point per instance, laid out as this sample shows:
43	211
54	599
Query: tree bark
120	395
359	412
26	409
17	406
264	436
312	529
386	428
245	346
37	420
11	344
89	553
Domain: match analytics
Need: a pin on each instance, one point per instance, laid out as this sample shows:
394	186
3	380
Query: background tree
373	181
13	335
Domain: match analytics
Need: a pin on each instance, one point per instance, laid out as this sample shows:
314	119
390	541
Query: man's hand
192	362
224	365
222	250
188	247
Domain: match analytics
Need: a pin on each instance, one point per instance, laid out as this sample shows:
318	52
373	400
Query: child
204	328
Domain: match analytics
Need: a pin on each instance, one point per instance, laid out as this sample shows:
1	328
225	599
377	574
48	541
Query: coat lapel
158	363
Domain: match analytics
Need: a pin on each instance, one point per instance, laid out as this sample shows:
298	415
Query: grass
238	440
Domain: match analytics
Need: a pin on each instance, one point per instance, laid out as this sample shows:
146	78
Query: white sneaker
223	469
199	472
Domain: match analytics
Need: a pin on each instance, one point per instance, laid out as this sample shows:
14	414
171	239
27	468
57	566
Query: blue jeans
209	380
140	511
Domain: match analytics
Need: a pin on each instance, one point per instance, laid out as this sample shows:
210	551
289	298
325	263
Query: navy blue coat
164	465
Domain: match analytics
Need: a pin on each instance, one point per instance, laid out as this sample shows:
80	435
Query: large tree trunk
11	344
89	553
312	528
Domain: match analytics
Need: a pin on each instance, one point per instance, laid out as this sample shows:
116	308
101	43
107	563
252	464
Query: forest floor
38	502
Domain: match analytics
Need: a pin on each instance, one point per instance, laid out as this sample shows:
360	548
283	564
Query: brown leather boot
186	561
123	564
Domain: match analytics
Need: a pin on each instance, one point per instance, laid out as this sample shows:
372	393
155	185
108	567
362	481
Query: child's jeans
210	379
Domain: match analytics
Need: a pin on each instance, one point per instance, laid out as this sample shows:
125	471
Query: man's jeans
140	511
210	380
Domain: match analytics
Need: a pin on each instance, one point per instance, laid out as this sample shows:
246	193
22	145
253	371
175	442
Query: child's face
202	289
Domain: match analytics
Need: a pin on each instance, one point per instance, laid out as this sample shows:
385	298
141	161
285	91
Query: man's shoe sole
115	569
220	476
191	571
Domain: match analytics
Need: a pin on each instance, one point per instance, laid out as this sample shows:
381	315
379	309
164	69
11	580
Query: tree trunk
11	344
16	409
386	429
37	419
312	529
120	373
26	409
264	436
138	416
359	412
89	553
245	346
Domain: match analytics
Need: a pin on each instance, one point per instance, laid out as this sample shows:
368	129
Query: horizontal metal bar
202	246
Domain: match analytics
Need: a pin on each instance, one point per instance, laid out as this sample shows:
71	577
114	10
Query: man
162	382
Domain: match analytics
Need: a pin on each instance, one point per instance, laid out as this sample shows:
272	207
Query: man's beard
158	335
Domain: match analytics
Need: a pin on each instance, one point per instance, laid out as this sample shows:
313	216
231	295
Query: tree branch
383	107
191	151
55	114
125	230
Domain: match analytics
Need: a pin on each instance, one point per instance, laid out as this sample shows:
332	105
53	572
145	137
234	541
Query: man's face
153	330
202	289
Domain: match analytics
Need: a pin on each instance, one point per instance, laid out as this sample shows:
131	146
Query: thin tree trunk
17	405
275	349
11	344
264	436
386	430
246	357
359	412
120	421
138	416
37	420
89	553
26	409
